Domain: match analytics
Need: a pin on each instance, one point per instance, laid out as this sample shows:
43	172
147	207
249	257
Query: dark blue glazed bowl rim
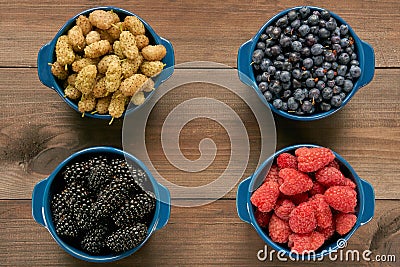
361	205
46	55
364	52
47	212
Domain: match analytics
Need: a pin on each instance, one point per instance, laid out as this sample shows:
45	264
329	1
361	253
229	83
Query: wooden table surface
38	130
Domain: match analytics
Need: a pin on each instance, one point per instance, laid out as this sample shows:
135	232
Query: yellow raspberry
84	23
130	67
151	68
134	25
154	52
130	86
76	38
72	93
99	89
128	44
80	63
86	79
64	52
141	41
97	49
59	70
72	79
103	104
138	99
92	37
115	30
87	103
117	104
118	49
113	76
101	19
105	61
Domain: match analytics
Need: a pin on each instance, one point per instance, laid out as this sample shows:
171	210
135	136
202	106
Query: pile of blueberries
306	62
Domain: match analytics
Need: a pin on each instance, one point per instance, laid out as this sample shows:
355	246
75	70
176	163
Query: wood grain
38	130
212	234
198	31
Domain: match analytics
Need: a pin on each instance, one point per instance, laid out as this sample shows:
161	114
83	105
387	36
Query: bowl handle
369	200
244	67
369	64
44	70
37	201
241	200
165	206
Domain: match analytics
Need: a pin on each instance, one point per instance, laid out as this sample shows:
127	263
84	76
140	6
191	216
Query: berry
257	56
334	164
279	229
273	174
341	198
286	160
94	240
292	103
312	159
317	49
355	71
127	238
349	183
336	101
66	226
134	210
294	182
308	63
264	198
317	189
327	232
329	176
299	198
323	212
302	219
303	243
344	222
262	218
277	103
283	209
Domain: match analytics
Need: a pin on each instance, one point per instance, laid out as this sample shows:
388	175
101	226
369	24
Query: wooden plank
198	31
38	130
213	235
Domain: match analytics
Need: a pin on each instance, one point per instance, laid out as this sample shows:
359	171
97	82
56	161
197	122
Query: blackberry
100	174
66	226
59	206
127	238
135	209
76	172
94	242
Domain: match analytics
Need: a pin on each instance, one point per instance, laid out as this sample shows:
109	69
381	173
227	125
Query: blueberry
278	64
313	20
314	93
258	78
275	33
305	92
285	76
308	63
325	106
337	48
268	96
265	63
269	29
282	22
347	86
305	51
298	94
287	66
330	56
355	71
324	33
318	60
287	30
349	50
354	62
330	75
326	65
305	74
330	83
296	73
276	50
331	24
292	15
325	14
344	58
335	65
277	74
258	54
294	57
306	106
304	30
280	57
265	76
286	94
285	41
292	103
335	39
320	85
342	95
337	89
336	101
277	103
317	49
275	87
263	86
344	42
284	106
263	37
353	56
320	72
296	83
322	23
310	83
295	24
344	29
310	39
304	11
286	86
269	42
260	45
342	69
339	80
271	70
296	46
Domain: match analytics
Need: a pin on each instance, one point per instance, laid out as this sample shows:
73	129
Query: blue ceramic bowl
364	209
365	54
47	55
43	192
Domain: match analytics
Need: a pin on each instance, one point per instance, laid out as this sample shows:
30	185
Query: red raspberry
294	182
341	198
327	232
345	222
302	219
348	182
329	176
303	243
334	164
317	189
299	198
313	159
286	160
264	198
283	209
279	230
273	174
262	218
323	212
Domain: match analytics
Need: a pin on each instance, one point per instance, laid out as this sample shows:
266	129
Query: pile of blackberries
306	62
100	205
